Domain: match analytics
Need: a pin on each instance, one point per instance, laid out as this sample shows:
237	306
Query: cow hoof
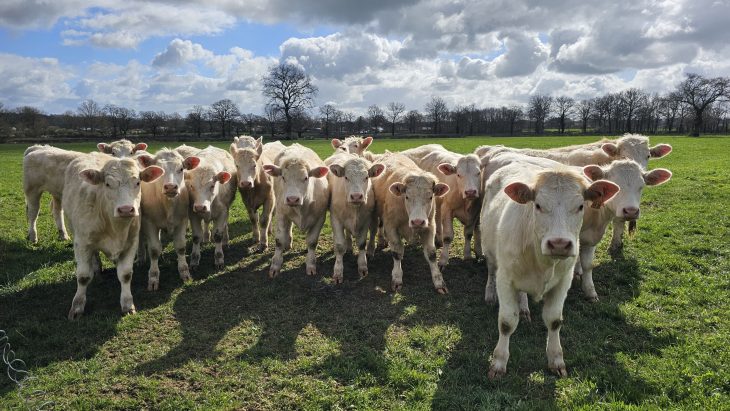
559	370
370	252
338	280
442	290
273	272
129	311
153	285
219	266
592	299
525	315
63	237
439	243
396	287
490	298
74	315
311	270
496	373
363	273
261	248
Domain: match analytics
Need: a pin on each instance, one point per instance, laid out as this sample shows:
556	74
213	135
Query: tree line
696	105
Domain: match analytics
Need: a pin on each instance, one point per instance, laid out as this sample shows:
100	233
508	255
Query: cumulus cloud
180	52
41	82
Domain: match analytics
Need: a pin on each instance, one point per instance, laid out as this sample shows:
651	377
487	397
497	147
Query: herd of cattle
524	209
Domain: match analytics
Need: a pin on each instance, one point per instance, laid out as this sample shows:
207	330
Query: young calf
102	200
212	188
256	187
353	145
121	148
352	207
165	204
302	198
536	214
405	202
462	173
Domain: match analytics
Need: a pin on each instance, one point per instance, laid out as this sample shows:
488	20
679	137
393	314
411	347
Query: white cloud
40	82
180	52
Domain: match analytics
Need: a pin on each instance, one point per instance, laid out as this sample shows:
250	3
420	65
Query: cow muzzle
471	194
630	213
200	208
245	184
126	211
418	223
171	190
560	247
293	201
357	198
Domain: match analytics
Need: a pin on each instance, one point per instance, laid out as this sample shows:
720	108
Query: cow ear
223	177
336	143
272	170
397	189
191	162
259	149
610	148
319	172
376	170
447	169
233	148
92	176
660	150
145	160
520	192
593	172
151	174
365	143
139	147
657	176
440	189
104	148
337	170
599	192
260	141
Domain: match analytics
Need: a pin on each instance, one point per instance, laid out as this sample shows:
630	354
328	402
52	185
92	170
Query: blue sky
169	55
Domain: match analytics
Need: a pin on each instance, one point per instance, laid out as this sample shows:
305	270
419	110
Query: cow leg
338	236
508	319
196	225
226	238
490	291
439	240
142	248
362	259
478	241
84	275
552	315
265	223
178	241
468	235
447	235
312	238
396	250
373	233
587	253
220	237
283	237
254	217
124	274
96	263
57	211
382	240
32	208
348	243
429	251
154	249
618	232
525	307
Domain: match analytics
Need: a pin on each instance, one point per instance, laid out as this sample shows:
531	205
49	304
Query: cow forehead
356	167
419	184
201	175
635	148
559	185
468	163
122	170
626	173
246	142
246	155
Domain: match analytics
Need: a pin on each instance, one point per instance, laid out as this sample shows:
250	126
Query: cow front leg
178	241
447	236
429	251
338	236
32	208
373	234
396	251
283	237
617	241
478	241
196	225
439	239
265	223
57	211
490	291
362	259
587	253
84	275
220	237
507	320
552	315
154	249
124	274
468	235
254	217
312	238
525	307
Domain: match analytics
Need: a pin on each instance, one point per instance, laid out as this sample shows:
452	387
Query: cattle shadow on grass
20	258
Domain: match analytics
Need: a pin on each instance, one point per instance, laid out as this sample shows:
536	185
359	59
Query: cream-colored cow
352	144
121	148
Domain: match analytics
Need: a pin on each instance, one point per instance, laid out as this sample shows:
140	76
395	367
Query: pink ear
223	177
151	174
139	147
337	170
397	189
446	169
599	192
191	162
272	170
440	189
336	143
233	148
657	176
520	192
660	150
366	142
145	160
593	172
92	176
104	148
319	172
610	149
376	170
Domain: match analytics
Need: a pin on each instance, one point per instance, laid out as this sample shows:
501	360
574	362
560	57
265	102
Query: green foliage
234	339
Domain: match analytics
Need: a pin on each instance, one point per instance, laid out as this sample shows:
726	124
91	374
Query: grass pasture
234	339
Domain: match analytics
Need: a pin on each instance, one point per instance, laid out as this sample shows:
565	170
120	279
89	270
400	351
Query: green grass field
234	339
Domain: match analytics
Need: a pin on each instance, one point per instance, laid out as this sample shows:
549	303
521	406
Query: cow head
628	175
246	160
557	198
635	147
468	171
173	181
120	184
353	145
203	182
356	173
121	148
296	178
418	191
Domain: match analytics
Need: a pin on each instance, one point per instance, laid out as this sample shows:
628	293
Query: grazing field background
234	339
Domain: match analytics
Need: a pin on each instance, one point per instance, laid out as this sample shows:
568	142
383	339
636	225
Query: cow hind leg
57	211
32	208
84	275
154	249
312	238
396	251
265	225
179	243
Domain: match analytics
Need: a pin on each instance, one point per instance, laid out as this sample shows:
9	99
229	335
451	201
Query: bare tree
563	107
224	112
585	109
195	119
273	115
539	110
699	93
119	118
288	89
328	113
249	119
513	114
395	110
301	122
631	99
30	118
412	119
153	120
376	117
89	111
437	111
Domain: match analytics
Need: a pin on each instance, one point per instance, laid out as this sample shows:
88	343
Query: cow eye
237	166
180	170
537	207
137	183
347	179
306	178
580	207
406	197
108	185
458	175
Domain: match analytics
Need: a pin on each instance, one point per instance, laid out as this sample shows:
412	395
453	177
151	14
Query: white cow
165	204
353	144
536	214
406	206
256	187
121	148
462	173
212	188
352	207
302	197
102	197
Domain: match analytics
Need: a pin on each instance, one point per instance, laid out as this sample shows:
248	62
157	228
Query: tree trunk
697	123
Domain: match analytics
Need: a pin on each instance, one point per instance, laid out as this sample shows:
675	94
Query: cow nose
199	208
631	212
125	210
356	197
417	222
245	184
170	187
559	245
470	193
292	200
